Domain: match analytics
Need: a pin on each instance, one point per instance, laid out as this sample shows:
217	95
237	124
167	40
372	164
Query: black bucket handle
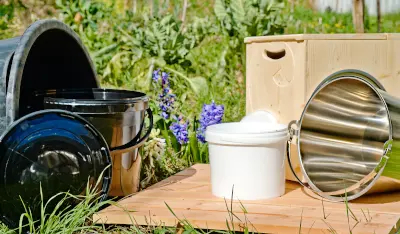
136	142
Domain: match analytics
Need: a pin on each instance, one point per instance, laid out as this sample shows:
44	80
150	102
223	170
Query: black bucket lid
57	150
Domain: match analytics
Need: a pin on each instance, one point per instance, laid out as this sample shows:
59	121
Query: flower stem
165	134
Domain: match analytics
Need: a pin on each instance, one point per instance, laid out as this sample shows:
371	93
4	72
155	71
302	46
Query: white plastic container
248	158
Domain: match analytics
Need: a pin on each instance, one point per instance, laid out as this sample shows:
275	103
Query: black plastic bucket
49	55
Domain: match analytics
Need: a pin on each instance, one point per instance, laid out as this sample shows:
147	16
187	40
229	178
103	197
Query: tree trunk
126	5
358	15
311	4
134	6
378	14
184	8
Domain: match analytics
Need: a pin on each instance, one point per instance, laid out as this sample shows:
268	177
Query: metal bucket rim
97	102
133	100
135	94
373	176
97	108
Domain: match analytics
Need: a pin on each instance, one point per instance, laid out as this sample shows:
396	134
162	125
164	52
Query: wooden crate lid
302	37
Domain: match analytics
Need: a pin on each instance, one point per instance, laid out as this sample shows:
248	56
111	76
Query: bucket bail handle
136	142
293	133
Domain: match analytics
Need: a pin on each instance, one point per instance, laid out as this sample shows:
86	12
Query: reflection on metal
344	137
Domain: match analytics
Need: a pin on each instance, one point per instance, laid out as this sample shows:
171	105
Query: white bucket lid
260	116
249	133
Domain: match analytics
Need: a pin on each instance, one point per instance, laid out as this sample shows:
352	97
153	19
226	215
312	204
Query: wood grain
283	85
188	194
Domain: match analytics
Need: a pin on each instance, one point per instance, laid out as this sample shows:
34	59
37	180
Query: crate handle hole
275	55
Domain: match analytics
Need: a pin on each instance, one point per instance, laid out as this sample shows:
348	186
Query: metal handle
290	164
293	132
136	142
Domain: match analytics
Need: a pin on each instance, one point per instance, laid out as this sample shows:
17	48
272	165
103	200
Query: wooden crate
189	196
283	71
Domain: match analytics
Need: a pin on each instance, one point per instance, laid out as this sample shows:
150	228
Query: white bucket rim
246	133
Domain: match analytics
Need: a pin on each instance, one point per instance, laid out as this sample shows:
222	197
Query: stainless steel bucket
348	138
119	116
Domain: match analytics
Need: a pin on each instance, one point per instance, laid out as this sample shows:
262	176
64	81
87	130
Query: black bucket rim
27	40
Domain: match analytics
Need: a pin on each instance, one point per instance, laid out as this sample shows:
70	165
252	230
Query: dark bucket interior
342	135
55	61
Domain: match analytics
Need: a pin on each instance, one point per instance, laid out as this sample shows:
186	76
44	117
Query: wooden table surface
188	194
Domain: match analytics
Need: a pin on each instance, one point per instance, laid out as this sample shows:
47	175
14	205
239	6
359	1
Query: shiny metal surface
344	136
119	129
119	115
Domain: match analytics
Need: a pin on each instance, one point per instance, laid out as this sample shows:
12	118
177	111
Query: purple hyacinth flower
164	115
180	131
166	90
201	137
164	78
166	98
156	75
211	114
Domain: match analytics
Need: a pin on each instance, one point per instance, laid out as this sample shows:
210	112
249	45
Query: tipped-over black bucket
49	55
119	116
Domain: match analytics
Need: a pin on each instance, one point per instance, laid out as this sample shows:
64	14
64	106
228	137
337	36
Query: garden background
187	55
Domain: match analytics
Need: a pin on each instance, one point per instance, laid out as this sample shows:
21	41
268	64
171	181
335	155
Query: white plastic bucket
248	159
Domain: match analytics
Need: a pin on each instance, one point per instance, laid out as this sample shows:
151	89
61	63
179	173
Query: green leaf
220	9
194	147
199	85
156	5
104	50
263	4
238	11
156	118
59	3
204	152
183	97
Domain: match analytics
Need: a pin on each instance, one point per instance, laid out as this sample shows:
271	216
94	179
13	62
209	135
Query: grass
78	219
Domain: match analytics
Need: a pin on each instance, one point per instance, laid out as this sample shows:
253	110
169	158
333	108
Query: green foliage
305	20
94	22
6	15
241	18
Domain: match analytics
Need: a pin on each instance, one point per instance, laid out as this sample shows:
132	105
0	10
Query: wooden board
188	194
336	36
